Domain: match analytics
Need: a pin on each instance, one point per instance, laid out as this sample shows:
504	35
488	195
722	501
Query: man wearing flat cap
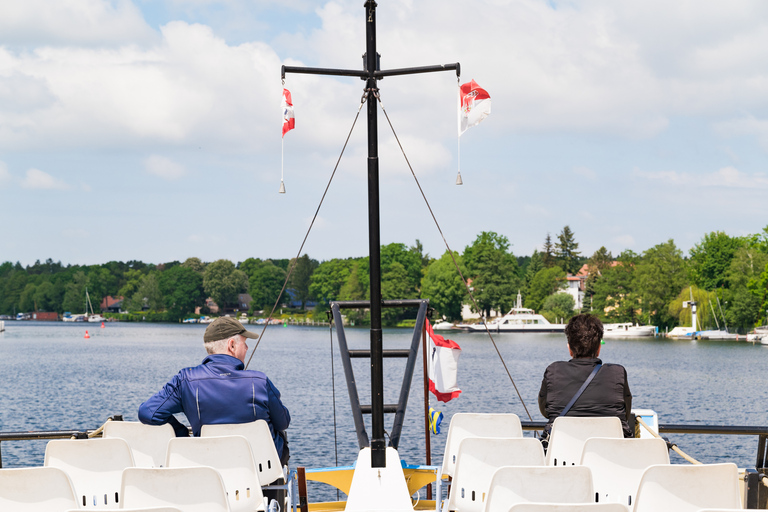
220	390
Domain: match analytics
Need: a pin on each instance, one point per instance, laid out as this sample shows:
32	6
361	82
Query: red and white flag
475	105
289	123
442	366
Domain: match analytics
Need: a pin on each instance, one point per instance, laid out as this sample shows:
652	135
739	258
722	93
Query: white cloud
625	241
5	176
76	233
164	167
727	177
37	179
72	22
585	172
748	125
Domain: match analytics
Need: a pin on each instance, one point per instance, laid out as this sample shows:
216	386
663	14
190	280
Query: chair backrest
688	488
95	467
566	441
478	459
568	507
618	464
142	509
231	457
197	489
36	490
464	425
149	443
540	484
262	445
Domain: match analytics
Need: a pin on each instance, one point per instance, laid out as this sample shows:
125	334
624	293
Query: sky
150	129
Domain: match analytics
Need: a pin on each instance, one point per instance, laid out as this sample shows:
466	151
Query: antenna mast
371	74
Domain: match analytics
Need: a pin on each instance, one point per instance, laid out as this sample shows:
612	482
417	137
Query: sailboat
92	317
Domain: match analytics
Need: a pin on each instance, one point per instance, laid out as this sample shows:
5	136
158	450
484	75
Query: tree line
727	276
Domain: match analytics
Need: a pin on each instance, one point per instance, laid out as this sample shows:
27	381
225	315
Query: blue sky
150	130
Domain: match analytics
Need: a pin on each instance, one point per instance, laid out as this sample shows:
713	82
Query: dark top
607	395
218	391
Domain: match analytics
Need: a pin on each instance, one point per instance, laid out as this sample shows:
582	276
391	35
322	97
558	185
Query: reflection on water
53	378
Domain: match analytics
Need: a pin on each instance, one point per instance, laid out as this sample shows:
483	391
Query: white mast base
378	488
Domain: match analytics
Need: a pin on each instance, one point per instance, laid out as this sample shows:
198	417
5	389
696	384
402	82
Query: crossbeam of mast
371	74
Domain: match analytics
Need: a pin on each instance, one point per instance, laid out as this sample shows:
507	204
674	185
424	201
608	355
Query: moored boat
628	330
518	319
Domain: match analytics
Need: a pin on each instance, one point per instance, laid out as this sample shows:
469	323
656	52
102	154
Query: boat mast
371	74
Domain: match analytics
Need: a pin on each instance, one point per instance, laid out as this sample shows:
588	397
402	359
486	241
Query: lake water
53	378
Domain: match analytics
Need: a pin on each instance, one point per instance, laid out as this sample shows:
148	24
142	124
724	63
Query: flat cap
225	327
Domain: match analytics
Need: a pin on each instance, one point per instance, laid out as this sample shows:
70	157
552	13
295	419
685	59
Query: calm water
54	379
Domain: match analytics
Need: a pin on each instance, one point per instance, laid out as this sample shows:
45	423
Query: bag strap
581	389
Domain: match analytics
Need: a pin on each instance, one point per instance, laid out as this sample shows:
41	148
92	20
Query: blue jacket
218	391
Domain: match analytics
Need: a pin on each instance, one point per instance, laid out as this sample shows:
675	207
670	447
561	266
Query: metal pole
426	406
378	443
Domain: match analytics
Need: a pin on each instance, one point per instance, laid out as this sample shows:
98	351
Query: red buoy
87	335
102	325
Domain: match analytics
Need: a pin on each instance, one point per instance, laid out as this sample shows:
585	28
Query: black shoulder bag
548	429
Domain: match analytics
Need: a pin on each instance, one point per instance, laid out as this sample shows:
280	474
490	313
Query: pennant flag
475	105
442	365
289	123
435	419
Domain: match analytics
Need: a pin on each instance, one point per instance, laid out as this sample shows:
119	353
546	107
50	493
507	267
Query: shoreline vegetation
727	276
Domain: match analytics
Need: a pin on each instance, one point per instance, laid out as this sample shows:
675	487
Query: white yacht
628	330
519	319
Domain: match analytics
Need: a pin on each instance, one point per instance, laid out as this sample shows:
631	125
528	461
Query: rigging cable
311	224
469	291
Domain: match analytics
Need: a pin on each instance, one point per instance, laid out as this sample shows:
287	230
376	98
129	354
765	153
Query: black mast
371	74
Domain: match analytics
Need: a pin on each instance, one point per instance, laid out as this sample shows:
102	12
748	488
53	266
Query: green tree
411	261
147	294
567	251
195	264
74	295
223	282
45	297
494	272
27	299
546	282
395	285
601	260
265	283
711	259
534	266
443	286
182	289
548	254
328	278
559	305
301	277
354	289
614	297
659	277
743	296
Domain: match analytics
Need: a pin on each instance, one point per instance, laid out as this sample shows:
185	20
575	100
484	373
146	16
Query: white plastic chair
198	489
142	509
566	441
95	467
149	443
540	484
688	488
263	446
464	425
478	459
618	464
231	456
36	490
568	507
